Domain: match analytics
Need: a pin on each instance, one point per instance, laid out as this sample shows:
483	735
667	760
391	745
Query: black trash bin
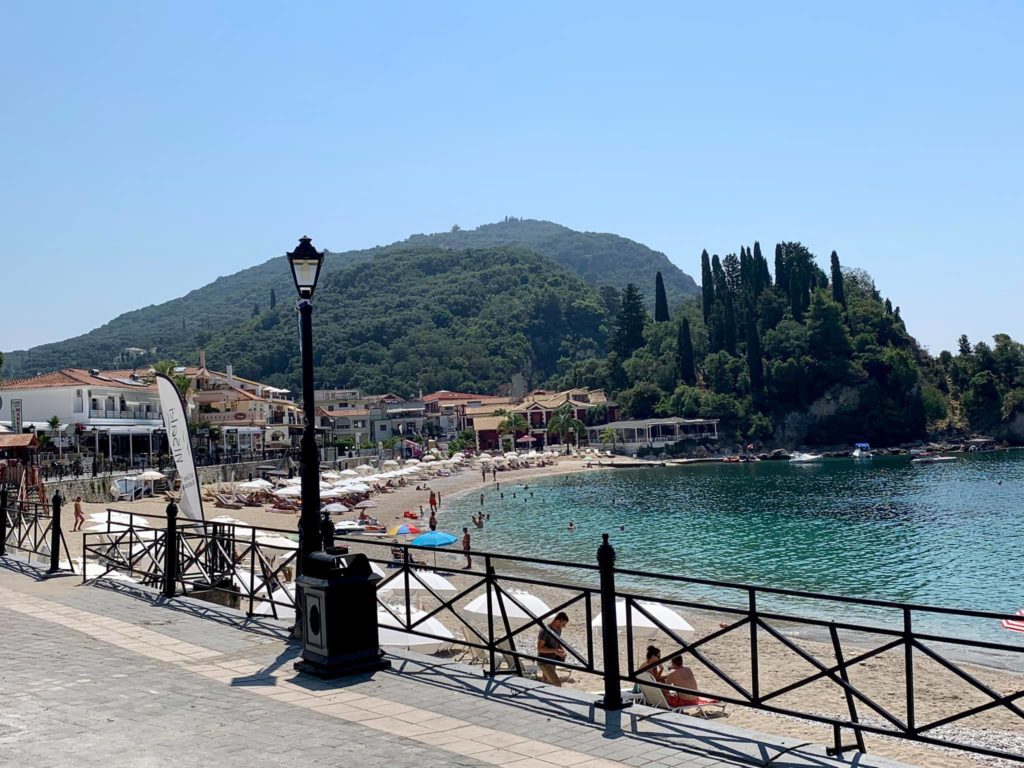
339	616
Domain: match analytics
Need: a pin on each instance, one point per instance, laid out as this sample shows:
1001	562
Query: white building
118	411
630	436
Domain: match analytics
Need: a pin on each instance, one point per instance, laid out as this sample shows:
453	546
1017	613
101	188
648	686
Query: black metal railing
30	528
240	561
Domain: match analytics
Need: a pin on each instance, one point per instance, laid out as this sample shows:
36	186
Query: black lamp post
305	262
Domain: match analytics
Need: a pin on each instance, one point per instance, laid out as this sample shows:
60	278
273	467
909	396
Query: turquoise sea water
944	534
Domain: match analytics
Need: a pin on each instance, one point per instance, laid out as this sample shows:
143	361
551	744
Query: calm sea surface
943	534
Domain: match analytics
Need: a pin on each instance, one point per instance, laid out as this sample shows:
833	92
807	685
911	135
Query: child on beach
79	515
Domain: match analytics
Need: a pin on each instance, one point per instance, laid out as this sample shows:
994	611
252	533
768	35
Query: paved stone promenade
112	675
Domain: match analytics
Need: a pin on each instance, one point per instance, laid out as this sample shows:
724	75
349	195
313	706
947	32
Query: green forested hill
601	259
424	318
178	327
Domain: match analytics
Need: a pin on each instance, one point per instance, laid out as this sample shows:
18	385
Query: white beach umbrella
421	581
357	488
429	457
367	504
643	626
348	473
336	508
289	491
391	636
484	455
531	602
151	474
413	462
274	541
390	463
364	469
120	517
283	594
255	485
242	528
331	476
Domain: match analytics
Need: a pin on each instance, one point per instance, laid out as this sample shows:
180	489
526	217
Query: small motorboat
804	458
861	451
933	459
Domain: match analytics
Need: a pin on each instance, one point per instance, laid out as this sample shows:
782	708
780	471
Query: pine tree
660	300
733	276
629	323
724	314
795	301
838	291
684	353
273	298
706	286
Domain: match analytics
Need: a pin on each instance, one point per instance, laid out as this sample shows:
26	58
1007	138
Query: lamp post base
331	668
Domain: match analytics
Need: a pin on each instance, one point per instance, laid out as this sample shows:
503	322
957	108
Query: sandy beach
939	692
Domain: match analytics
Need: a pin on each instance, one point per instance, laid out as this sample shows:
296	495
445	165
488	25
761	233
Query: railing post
609	628
57	501
908	663
3	522
755	675
171	550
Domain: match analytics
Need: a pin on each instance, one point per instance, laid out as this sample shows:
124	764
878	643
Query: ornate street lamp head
305	262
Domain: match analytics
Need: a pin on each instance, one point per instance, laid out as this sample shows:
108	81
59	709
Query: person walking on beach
549	645
79	515
433	521
494	474
466	549
483	474
433	503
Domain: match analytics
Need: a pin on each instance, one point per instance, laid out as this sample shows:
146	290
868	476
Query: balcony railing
136	414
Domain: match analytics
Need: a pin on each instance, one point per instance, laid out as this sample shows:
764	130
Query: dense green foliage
599	258
981	387
775	359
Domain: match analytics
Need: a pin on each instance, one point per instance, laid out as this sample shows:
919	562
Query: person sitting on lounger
654	657
680	676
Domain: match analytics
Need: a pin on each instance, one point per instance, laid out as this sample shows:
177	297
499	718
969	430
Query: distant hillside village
116	414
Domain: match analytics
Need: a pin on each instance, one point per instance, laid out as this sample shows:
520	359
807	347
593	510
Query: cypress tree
754	362
707	288
629	323
660	300
273	298
684	353
838	292
795	304
724	316
782	281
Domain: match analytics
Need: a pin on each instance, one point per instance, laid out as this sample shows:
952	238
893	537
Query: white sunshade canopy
364	469
289	490
348	473
366	504
421	581
276	542
151	474
429	457
255	485
531	602
484	455
643	626
391	636
336	508
412	461
390	463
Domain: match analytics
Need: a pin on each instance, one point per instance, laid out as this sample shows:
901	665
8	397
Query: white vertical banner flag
176	423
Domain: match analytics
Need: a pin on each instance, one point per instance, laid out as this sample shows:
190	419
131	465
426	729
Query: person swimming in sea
571	527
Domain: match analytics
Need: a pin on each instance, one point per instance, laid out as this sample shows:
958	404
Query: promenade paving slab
114	675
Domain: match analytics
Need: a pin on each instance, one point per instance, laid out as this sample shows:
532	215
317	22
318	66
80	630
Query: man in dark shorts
465	548
549	644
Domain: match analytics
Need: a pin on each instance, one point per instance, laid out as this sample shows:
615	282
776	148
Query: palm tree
608	435
513	423
564	421
54	425
181	381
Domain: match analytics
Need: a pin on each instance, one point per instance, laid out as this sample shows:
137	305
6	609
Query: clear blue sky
147	148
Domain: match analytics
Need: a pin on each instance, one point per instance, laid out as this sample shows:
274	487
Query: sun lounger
225	502
655	697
